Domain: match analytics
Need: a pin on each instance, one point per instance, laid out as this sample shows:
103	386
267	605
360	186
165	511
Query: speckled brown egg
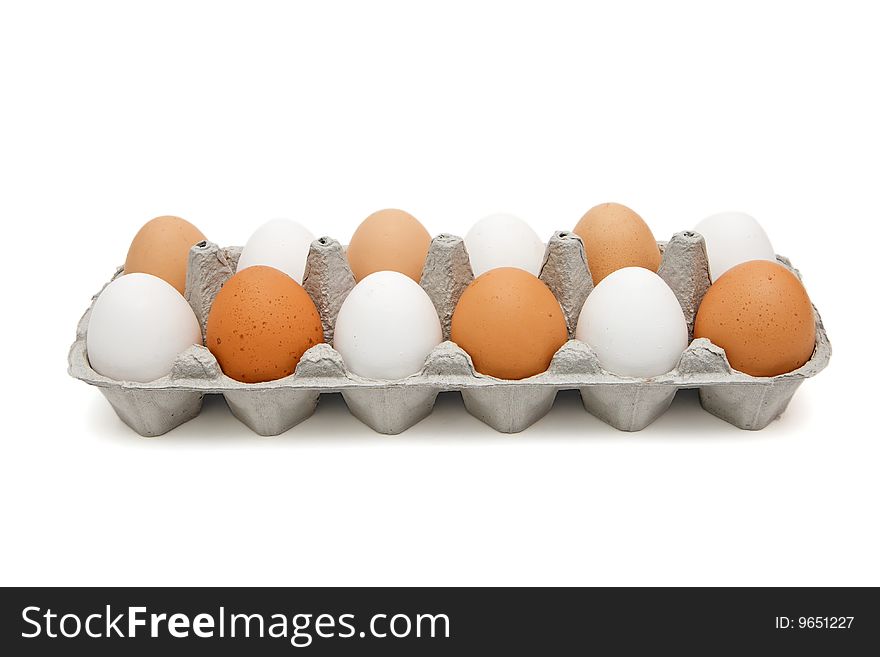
616	237
261	324
759	312
161	248
389	240
510	324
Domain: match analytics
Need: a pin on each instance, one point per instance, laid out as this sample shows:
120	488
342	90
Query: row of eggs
507	319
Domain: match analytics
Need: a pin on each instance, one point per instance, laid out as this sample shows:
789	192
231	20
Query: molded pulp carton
629	404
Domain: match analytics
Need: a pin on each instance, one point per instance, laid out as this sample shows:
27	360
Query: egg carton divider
391	407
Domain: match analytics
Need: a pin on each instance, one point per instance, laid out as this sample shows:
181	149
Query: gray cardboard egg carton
391	407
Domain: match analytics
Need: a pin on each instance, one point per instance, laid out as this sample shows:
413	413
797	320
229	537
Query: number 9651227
824	622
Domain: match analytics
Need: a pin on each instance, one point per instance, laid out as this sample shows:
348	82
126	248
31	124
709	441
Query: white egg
733	238
386	327
280	243
137	327
634	323
502	240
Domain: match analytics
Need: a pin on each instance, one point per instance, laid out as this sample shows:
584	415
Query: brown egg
510	323
759	312
261	324
389	240
616	237
161	248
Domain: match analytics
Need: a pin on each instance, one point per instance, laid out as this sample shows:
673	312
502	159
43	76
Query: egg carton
390	407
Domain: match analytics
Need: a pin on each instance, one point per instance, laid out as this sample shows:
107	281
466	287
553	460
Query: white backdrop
230	114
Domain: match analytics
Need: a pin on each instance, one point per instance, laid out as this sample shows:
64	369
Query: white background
229	115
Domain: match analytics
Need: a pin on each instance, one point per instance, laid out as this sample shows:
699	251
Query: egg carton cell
509	406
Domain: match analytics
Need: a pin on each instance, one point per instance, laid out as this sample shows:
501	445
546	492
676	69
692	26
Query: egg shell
616	237
137	327
389	240
634	323
733	238
260	325
760	314
161	248
386	327
503	240
510	324
279	243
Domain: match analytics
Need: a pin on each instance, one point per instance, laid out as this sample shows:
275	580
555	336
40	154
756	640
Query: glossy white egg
386	327
279	243
733	238
137	327
503	240
634	323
